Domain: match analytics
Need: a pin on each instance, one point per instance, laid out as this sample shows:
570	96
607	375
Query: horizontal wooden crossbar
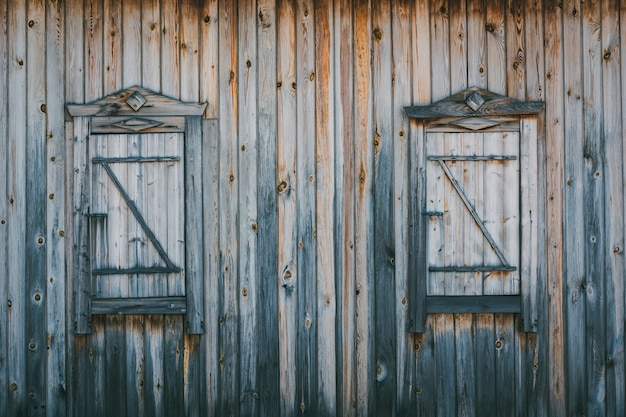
140	270
473	304
139	305
485	268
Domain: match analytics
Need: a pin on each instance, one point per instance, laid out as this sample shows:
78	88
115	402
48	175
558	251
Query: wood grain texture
326	199
364	209
573	211
554	175
344	167
612	132
248	69
229	183
268	371
401	23
384	251
320	90
4	204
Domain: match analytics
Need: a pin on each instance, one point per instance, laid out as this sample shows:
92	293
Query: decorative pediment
475	102
138	102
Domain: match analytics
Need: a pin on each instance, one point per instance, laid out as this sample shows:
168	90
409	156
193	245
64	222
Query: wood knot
607	55
498	344
282	187
31	23
490	27
443	10
378	34
207	19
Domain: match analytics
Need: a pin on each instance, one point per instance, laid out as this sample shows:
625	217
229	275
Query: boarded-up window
137	208
474	207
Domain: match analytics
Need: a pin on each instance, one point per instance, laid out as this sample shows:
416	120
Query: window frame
107	116
474	105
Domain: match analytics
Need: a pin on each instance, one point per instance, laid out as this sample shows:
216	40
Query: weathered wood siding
305	215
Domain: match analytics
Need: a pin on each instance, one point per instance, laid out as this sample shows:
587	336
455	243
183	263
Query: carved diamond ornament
475	123
137	124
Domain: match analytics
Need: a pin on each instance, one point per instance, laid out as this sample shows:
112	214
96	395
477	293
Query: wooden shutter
137	208
474	207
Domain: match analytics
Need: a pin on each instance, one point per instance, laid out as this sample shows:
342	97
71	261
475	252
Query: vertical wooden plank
189	54
504	364
383	215
476	43
622	54
268	371
287	220
440	49
150	45
56	174
74	92
201	353
175	145
228	379
445	365
419	227
515	49
306	315
4	204
325	216
247	70
154	372
529	224
94	72
435	184
79	230
401	63
112	46
496	47
137	250
613	207
35	210
346	181
471	176
173	355
533	353
131	44
421	94
74	51
554	179
135	366
195	363
519	188
594	206
115	388
457	12
364	209
485	364
194	285
425	373
89	376
452	208
171	50
209	53
573	210
466	363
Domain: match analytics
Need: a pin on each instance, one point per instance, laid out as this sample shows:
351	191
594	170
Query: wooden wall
306	149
